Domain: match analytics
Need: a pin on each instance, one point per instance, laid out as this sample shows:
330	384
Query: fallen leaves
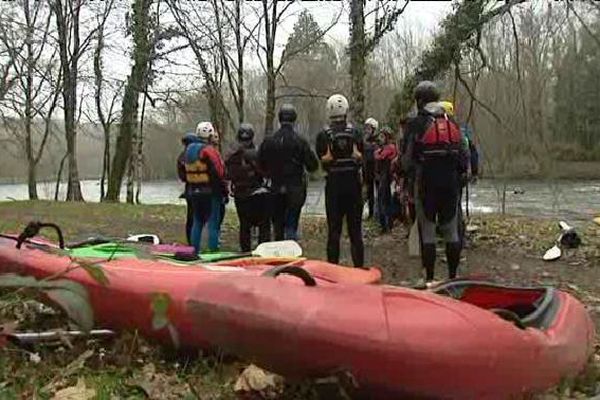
78	392
158	385
256	381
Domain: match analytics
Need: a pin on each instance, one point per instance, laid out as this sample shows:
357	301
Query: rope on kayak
34	227
291	270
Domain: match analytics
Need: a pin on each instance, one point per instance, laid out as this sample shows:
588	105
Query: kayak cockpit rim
535	307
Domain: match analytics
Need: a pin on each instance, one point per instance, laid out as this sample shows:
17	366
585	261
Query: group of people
428	167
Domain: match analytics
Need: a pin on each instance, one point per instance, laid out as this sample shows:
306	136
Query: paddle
35	337
414	247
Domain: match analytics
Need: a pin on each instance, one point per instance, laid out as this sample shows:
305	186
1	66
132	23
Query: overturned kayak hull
397	343
125	303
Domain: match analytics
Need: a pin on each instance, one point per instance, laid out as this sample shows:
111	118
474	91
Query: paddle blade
414	248
145	238
552	254
283	248
564	226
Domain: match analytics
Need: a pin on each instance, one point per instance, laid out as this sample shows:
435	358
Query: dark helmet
189	138
426	92
245	132
287	113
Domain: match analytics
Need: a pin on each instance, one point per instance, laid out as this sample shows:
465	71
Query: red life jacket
441	139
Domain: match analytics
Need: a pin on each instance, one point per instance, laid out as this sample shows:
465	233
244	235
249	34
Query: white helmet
337	107
205	130
373	122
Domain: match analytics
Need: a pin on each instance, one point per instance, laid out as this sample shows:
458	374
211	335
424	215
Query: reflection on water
565	199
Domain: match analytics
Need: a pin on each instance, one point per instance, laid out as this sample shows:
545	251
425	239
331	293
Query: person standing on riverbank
188	139
384	156
434	153
249	189
204	174
370	144
285	157
339	147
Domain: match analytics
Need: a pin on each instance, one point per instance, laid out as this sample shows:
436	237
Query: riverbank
506	249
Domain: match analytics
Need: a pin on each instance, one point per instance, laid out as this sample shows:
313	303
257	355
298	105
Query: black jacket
285	156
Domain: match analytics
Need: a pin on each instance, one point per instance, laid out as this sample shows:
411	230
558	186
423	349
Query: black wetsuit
343	190
250	194
285	157
437	183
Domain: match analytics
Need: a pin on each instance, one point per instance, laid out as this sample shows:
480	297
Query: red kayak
125	303
465	340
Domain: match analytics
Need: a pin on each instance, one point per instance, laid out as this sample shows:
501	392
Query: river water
561	199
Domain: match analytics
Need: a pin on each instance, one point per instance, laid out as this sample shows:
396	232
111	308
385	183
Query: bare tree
363	41
71	48
106	115
33	96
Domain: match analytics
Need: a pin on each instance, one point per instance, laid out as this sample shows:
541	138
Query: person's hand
473	180
226	199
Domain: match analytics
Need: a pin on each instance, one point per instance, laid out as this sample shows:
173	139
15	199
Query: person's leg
262	206
423	207
334	223
214	226
295	202
201	206
370	184
243	210
278	215
449	226
354	206
189	221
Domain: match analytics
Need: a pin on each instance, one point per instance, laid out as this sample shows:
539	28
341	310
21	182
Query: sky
421	15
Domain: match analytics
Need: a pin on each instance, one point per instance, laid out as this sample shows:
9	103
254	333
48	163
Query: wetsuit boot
428	260
453	256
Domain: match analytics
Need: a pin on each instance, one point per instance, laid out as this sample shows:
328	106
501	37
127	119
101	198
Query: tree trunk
357	61
73	185
105	163
31	180
139	161
130	179
59	176
270	107
135	84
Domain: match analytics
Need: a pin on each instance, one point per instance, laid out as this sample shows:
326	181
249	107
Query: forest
105	90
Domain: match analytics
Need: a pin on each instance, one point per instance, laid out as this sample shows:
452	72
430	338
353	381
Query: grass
505	248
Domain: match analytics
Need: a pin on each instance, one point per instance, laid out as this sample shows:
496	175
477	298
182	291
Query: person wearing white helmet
285	156
339	146
204	175
370	145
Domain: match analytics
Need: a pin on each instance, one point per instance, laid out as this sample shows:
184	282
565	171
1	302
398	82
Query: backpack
342	151
242	172
441	139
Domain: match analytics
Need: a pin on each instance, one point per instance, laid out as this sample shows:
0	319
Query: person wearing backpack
435	154
370	144
285	157
249	189
384	156
186	140
339	147
204	175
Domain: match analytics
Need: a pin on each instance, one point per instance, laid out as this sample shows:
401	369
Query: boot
428	260
453	256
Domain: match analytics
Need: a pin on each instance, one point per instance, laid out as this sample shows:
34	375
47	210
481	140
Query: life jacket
196	170
342	151
442	139
242	172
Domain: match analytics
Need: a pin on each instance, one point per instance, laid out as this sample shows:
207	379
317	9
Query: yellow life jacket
196	171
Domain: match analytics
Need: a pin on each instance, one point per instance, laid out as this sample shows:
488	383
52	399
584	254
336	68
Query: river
561	199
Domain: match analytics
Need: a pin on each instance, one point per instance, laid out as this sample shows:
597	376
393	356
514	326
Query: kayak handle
293	270
34	227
